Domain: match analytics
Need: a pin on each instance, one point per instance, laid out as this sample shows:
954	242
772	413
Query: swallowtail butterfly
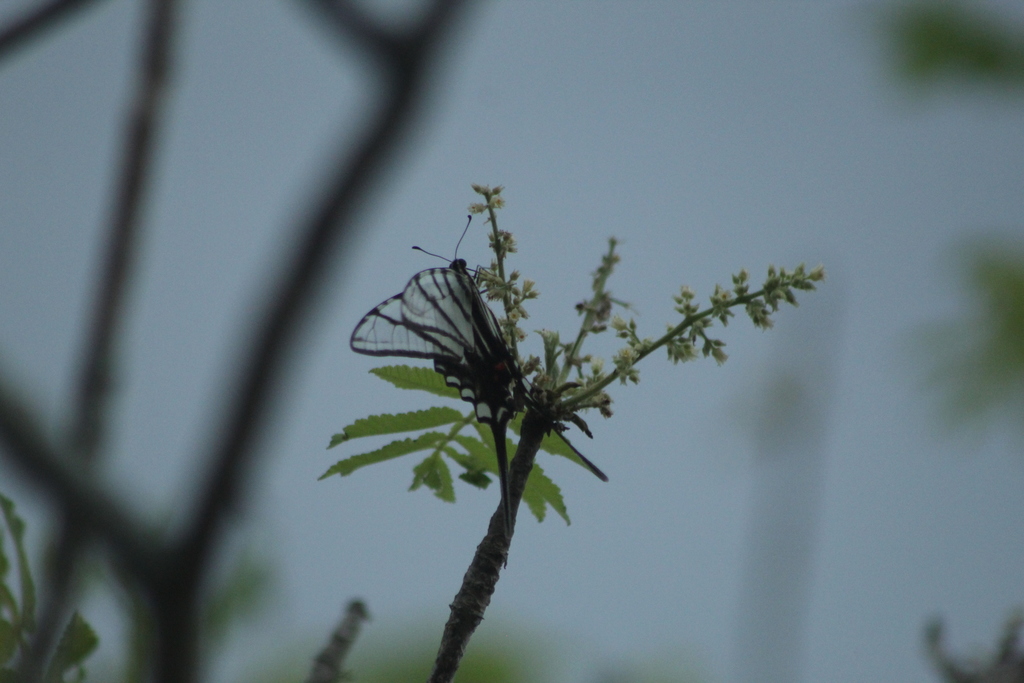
441	316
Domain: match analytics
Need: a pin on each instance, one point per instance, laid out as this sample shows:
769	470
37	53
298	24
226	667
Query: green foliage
24	620
474	454
979	362
956	40
17	612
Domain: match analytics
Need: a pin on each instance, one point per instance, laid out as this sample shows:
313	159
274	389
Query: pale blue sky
707	136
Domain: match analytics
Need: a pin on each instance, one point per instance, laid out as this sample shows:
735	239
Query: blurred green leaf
946	39
16	525
979	359
8	641
76	643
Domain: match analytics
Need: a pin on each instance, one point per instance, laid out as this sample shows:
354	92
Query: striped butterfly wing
441	316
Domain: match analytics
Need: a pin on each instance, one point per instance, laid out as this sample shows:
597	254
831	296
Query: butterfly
441	316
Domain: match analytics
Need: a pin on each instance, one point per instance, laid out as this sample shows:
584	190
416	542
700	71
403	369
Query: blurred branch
1005	666
327	665
33	22
470	603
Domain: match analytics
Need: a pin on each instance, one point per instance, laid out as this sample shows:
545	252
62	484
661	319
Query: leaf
477	461
476	478
479	455
376	425
76	643
409	377
395	449
540	492
433	473
8	641
16	525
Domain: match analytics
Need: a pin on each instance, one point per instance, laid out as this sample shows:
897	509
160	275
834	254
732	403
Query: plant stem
491	555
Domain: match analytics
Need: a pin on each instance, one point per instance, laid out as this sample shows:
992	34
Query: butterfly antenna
469	219
430	253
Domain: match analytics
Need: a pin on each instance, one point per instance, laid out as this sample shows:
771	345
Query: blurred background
798	514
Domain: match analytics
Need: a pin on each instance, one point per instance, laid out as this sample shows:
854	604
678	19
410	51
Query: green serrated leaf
540	492
16	525
76	643
375	425
433	473
8	641
409	377
395	449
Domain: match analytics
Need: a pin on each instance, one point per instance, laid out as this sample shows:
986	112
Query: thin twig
327	665
31	23
470	603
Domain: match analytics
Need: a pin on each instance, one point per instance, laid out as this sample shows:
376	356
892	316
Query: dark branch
1005	665
469	605
33	22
